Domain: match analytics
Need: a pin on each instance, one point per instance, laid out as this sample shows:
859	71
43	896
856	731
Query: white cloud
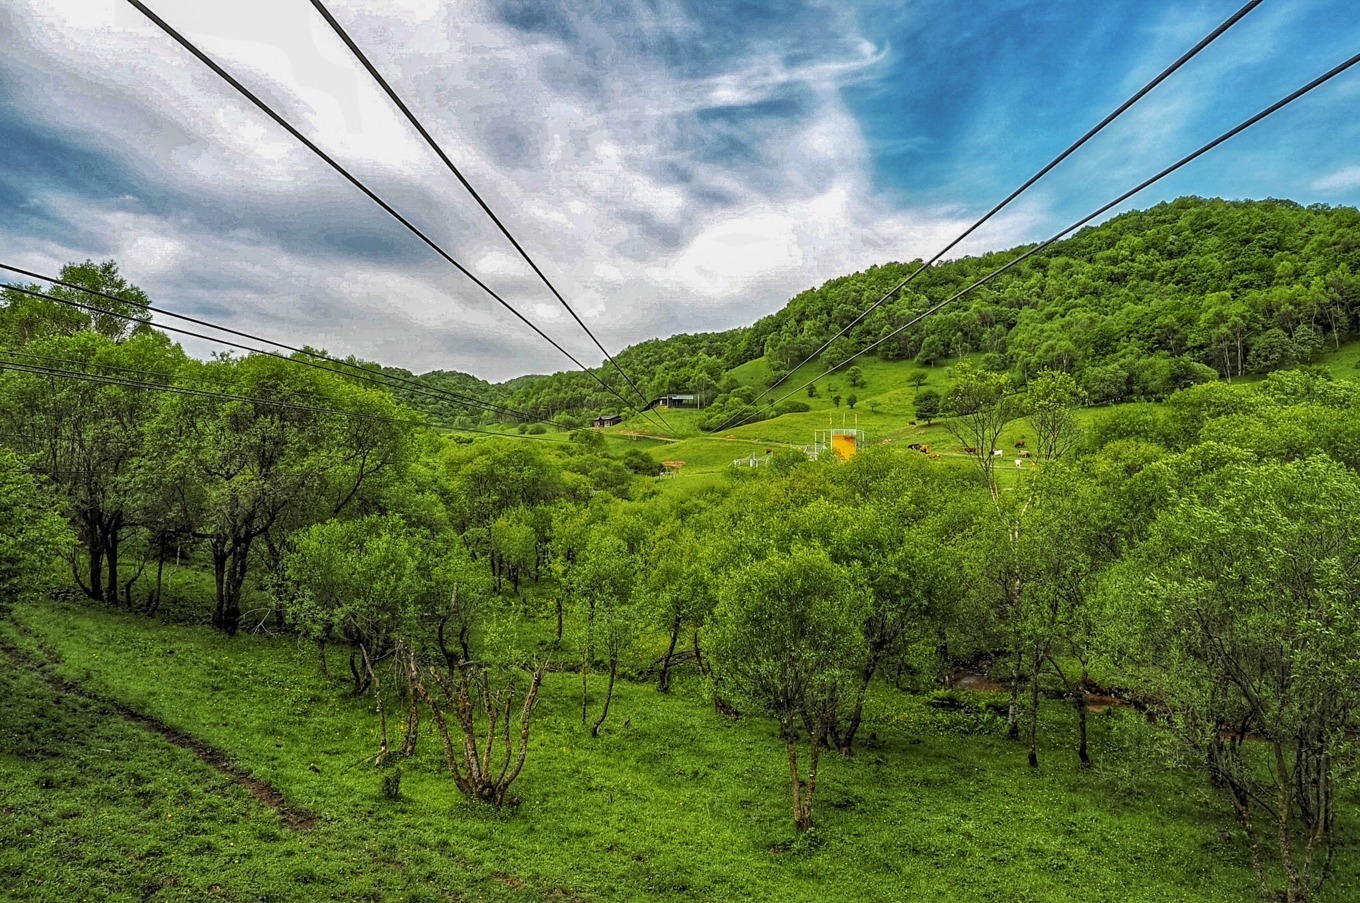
1347	179
651	206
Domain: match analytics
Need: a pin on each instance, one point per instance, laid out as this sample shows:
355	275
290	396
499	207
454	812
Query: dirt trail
296	818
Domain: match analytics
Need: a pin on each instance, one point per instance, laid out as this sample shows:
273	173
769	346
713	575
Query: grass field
672	802
885	410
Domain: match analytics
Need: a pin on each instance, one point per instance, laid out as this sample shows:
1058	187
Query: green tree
1240	607
475	677
89	437
602	583
979	405
34	532
785	639
927	405
1051	400
363	580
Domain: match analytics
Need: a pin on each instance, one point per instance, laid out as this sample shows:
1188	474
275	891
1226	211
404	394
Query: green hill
1137	307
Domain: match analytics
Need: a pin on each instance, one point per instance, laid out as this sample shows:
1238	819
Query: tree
980	404
1271	350
906	581
674	589
26	318
88	438
242	470
1050	402
927	405
917	378
1242	614
364	580
851	401
855	376
932	349
785	639
602	582
836	400
474	680
33	533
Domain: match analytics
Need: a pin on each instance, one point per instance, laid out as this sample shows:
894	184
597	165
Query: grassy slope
673	802
885	410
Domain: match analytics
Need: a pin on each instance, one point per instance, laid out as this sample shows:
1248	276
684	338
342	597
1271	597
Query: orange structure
843	443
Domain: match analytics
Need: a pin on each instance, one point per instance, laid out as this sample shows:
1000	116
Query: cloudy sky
674	165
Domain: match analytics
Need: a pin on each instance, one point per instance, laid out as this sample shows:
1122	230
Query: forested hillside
1137	307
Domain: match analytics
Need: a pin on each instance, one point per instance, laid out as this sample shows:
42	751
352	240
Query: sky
672	165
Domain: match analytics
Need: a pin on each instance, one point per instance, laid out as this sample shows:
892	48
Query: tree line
1150	302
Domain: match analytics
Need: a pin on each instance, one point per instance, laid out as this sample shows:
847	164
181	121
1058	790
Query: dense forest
1135	308
1188	568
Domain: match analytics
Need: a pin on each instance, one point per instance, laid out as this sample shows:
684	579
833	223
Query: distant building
608	420
675	401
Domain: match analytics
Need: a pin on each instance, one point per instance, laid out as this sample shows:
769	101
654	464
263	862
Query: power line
449	164
362	373
368	192
1049	167
1192	156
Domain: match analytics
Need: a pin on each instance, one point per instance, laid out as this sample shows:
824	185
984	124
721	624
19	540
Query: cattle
1024	453
969	450
1020	443
911	423
933	455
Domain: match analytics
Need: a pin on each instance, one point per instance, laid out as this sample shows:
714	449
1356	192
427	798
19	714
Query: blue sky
675	165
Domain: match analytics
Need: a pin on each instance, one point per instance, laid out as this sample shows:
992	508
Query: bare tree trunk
378	704
608	695
408	745
96	553
847	740
1034	714
1294	893
585	691
665	682
154	602
111	594
1013	709
800	823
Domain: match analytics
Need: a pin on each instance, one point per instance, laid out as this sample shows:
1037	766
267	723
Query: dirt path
294	817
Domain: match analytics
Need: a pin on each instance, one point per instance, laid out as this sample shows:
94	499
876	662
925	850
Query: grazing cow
911	423
1024	453
968	449
933	455
1020	443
